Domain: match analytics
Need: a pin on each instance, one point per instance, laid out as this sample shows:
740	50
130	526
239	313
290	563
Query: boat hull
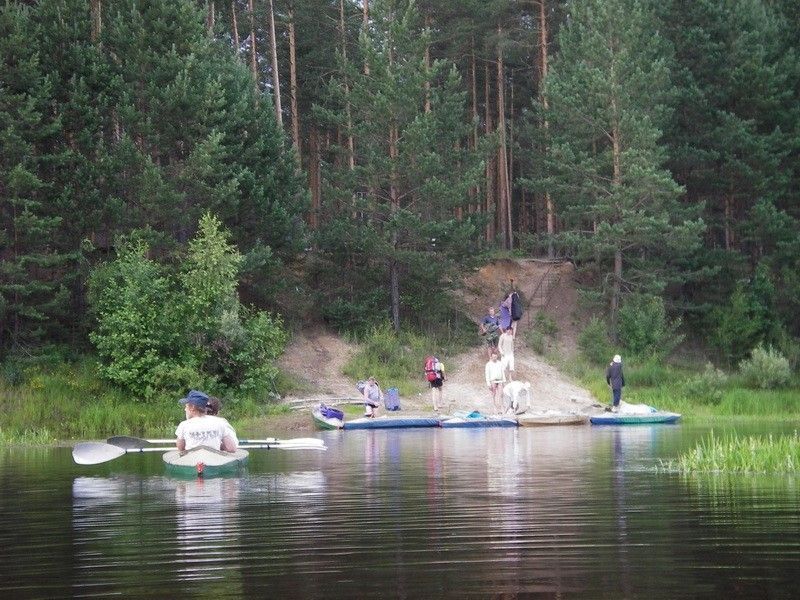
203	461
391	423
482	421
326	423
634	419
544	419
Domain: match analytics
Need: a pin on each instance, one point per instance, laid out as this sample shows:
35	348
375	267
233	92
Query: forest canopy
362	155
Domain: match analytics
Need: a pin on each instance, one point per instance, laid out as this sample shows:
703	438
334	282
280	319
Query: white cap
617	358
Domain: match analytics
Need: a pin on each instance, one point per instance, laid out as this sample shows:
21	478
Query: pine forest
180	179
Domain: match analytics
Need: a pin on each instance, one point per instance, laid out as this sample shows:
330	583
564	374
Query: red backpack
431	368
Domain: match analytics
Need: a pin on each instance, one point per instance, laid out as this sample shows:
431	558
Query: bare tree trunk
365	26
616	155
314	177
504	201
293	84
276	78
490	198
235	22
253	57
474	191
97	21
427	70
210	16
728	222
395	206
543	58
351	151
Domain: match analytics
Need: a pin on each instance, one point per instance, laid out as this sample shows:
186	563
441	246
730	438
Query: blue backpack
391	399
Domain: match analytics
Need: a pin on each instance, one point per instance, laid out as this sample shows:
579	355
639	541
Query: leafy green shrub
138	327
542	334
157	332
766	369
644	328
594	344
749	318
706	387
536	340
546	324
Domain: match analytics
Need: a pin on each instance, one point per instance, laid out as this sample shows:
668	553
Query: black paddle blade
127	442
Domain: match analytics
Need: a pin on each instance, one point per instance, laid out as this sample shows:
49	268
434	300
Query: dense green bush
158	333
766	369
748	319
139	334
707	387
594	344
542	335
644	328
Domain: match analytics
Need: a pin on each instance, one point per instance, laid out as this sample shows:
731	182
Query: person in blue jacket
616	381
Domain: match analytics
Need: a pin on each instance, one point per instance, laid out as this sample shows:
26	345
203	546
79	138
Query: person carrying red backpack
434	373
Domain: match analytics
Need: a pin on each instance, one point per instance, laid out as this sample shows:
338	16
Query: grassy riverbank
709	393
70	401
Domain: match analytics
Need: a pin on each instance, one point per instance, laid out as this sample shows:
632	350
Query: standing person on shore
505	313
616	381
506	347
495	378
490	327
373	396
434	373
202	429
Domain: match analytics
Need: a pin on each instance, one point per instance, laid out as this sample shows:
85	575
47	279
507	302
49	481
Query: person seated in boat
373	396
212	408
202	429
517	396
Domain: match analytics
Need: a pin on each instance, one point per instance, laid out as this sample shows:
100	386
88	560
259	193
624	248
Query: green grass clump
740	455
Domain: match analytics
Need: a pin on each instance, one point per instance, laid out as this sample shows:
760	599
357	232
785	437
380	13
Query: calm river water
566	512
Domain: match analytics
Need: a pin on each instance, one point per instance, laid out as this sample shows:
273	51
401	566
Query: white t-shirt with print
207	430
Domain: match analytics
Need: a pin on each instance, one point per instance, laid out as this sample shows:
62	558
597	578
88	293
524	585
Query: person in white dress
495	378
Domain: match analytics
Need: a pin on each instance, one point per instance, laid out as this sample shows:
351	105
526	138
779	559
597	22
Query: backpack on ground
331	413
432	368
516	307
392	399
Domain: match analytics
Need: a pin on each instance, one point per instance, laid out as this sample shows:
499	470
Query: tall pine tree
609	91
390	219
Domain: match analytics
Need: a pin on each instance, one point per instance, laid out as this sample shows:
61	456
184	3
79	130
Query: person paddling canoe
202	429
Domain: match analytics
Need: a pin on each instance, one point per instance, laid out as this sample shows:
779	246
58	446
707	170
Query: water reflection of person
207	512
620	504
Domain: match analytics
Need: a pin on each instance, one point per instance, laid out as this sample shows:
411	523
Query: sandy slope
315	357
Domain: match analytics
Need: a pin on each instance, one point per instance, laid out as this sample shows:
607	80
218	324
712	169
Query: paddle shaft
93	453
133	443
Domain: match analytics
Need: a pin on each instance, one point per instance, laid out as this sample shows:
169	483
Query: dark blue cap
197	398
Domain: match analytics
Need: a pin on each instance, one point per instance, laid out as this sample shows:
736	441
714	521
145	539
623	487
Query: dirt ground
316	357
